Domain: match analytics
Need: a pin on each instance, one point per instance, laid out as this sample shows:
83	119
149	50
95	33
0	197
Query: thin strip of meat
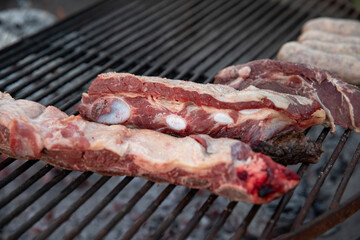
339	99
333	25
337	48
328	37
185	108
226	167
347	67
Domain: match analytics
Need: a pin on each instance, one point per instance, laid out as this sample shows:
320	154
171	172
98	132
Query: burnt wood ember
338	98
178	107
227	167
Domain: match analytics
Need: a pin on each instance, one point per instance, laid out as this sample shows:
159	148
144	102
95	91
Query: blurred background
20	18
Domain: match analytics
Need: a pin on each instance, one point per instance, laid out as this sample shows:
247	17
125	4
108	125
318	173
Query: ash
18	23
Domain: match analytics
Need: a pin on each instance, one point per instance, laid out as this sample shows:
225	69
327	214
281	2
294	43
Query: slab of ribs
226	167
271	122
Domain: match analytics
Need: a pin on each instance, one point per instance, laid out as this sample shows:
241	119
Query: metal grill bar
118	188
253	50
197	216
91	30
102	36
60	53
13	54
201	29
171	217
154	28
220	222
31	199
25	166
114	60
244	17
265	46
128	50
124	210
66	191
325	221
246	28
149	15
345	179
243	226
148	212
4	201
324	173
286	198
295	32
80	84
6	163
66	215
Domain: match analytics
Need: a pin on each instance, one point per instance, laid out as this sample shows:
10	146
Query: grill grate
175	39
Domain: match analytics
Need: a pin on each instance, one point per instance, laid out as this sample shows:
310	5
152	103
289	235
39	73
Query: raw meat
346	66
333	25
185	108
226	167
339	99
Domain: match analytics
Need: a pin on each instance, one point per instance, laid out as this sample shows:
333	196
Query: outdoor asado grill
188	40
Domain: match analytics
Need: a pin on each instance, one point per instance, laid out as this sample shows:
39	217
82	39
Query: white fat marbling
120	112
176	122
249	111
223	118
244	72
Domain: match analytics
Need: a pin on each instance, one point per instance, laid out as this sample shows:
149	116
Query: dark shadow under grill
189	40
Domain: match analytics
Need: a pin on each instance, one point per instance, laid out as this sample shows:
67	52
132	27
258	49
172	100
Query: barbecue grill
181	39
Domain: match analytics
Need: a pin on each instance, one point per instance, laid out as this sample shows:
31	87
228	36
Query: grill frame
140	59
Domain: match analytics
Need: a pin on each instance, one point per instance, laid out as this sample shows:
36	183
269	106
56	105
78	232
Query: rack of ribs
252	115
226	167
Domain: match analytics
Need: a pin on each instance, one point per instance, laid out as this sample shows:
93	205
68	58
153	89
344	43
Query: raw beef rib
184	108
339	99
226	167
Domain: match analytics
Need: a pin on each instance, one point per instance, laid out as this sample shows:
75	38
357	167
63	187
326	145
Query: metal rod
345	179
174	9
63	53
221	220
124	210
172	216
82	48
148	212
197	216
36	42
287	197
6	163
90	30
112	50
73	207
242	29
324	173
17	172
18	190
326	221
31	199
88	218
51	204
244	225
